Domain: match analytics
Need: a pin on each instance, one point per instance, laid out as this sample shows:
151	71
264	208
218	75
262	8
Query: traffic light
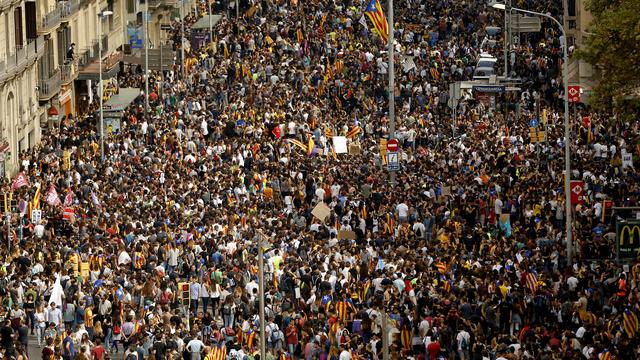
607	210
184	293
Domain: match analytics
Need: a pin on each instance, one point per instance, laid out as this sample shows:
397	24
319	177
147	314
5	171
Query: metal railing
69	8
91	54
69	72
50	86
51	19
17	61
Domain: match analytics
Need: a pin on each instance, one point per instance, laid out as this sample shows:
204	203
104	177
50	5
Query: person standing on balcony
71	53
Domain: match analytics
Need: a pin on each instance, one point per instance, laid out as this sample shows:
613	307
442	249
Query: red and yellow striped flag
379	21
354	132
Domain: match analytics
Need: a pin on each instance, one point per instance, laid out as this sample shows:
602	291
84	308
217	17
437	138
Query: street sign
577	192
165	27
534	123
574	94
136	43
392	145
393	164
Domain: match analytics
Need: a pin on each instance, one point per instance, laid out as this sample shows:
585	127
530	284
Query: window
571	7
17	18
31	21
131	6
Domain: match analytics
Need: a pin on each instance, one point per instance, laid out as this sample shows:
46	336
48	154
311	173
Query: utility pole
385	336
262	238
392	120
146	59
210	24
182	18
161	59
507	19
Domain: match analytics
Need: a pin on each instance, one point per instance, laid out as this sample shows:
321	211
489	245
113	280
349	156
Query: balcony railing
69	8
69	72
51	19
49	87
16	62
91	53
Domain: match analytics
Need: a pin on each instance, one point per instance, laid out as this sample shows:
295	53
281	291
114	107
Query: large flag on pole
52	196
20	181
379	21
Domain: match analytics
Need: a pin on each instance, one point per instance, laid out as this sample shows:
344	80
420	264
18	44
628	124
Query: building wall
577	20
20	113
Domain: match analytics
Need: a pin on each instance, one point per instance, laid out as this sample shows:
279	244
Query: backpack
275	336
464	344
132	356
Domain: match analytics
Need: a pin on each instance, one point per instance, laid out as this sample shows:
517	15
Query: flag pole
392	120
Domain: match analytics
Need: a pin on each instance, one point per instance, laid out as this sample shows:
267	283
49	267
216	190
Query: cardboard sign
355	149
321	211
346	235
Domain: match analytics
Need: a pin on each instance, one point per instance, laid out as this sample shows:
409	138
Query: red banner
574	94
577	192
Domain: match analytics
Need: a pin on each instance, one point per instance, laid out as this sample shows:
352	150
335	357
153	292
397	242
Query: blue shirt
72	350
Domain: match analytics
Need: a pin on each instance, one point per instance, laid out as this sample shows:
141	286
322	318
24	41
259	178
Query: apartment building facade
52	54
21	46
76	33
577	19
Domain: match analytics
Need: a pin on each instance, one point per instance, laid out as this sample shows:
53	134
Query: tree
613	47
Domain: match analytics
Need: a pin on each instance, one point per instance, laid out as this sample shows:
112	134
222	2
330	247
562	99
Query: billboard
627	238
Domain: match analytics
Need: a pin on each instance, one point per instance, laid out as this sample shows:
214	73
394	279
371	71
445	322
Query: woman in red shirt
292	337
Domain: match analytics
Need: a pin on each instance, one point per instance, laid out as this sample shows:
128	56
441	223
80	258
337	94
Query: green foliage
613	47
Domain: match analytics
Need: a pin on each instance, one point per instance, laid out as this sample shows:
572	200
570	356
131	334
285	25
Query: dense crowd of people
153	252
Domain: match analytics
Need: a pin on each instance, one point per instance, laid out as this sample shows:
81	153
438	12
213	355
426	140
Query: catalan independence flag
379	21
630	322
355	131
298	144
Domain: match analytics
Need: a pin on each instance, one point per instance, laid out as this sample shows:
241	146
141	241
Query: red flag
52	197
20	181
68	199
577	191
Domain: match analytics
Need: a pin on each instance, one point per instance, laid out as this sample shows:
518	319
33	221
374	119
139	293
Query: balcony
88	65
69	9
68	72
22	57
50	20
50	87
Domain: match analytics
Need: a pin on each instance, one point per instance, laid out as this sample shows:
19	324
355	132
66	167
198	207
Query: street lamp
567	132
101	16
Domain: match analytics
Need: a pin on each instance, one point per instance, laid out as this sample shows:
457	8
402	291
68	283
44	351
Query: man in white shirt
54	316
403	211
464	344
195	347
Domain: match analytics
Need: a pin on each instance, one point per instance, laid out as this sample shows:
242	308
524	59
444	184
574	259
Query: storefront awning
203	23
119	102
